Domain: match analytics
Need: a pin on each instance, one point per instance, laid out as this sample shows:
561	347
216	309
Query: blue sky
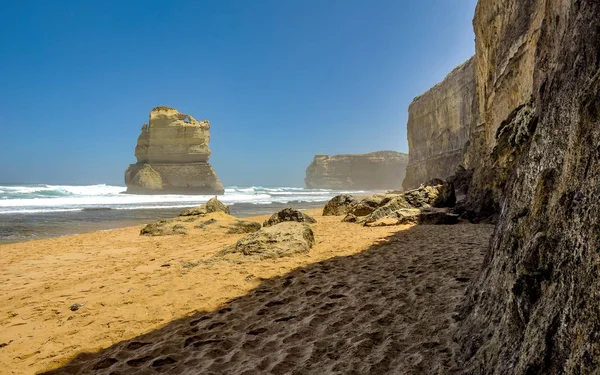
280	80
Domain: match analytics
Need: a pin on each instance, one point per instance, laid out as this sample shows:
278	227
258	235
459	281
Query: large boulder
243	226
289	214
339	205
369	204
213	205
163	228
441	195
282	240
388	209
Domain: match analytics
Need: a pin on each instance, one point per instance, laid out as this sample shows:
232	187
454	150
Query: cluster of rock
177	225
172	156
426	205
285	233
529	139
375	171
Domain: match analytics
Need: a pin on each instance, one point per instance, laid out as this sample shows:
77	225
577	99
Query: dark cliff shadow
388	309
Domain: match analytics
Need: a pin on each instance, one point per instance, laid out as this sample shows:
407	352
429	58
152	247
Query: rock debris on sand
368	300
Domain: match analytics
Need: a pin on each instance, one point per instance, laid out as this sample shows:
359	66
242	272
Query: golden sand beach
364	300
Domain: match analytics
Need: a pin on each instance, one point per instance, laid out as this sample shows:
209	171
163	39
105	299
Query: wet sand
364	300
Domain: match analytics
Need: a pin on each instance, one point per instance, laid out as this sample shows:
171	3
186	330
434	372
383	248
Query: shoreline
132	285
19	228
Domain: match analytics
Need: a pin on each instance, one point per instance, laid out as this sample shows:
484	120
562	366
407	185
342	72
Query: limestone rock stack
374	171
172	156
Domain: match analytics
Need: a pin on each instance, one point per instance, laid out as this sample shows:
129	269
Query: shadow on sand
388	309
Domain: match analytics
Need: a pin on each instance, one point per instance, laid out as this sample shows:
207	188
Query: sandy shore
363	300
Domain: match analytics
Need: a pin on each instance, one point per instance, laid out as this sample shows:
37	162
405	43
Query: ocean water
39	211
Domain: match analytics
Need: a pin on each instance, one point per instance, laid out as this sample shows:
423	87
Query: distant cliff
172	156
439	125
375	171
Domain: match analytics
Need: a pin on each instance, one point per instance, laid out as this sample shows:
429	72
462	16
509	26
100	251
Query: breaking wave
41	198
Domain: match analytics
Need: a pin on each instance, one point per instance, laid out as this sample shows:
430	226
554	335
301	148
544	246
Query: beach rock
434	216
289	214
432	196
243	226
163	228
533	308
367	205
172	156
339	205
350	218
375	171
282	240
387	209
425	216
213	205
194	211
440	123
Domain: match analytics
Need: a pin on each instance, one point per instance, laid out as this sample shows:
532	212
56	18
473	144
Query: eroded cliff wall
374	171
439	126
172	156
533	309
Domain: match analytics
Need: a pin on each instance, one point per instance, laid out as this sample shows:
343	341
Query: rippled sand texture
384	303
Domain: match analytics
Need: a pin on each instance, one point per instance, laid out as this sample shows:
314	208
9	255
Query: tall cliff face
439	126
533	308
375	171
172	156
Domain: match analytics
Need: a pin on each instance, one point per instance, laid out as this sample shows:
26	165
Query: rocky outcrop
163	228
427	216
533	309
289	214
213	205
440	123
172	156
375	171
243	226
440	194
339	205
418	206
281	240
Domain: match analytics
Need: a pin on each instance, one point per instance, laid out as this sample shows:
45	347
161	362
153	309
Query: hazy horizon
279	81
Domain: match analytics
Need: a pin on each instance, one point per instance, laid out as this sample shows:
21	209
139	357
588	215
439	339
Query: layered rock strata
374	171
533	309
172	156
440	123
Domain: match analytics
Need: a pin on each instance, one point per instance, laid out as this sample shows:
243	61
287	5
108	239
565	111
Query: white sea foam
42	198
